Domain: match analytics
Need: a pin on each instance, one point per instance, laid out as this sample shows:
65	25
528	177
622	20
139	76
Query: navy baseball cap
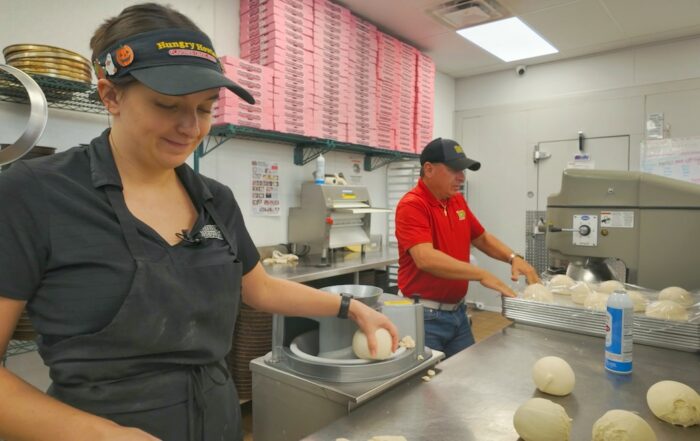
169	61
448	152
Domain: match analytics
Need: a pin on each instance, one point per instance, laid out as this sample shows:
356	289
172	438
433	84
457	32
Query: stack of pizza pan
49	61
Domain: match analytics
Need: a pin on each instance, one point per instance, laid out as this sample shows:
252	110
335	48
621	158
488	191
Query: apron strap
126	222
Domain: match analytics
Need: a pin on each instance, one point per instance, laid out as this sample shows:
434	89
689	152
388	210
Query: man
435	230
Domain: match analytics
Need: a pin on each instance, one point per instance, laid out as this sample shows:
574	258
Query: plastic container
320	177
618	333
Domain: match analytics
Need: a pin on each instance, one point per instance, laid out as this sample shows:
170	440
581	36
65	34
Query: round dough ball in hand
667	310
538	293
539	419
611	285
554	376
678	295
675	403
622	425
361	348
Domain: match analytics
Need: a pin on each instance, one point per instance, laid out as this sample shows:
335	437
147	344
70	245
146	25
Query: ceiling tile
519	7
639	17
574	25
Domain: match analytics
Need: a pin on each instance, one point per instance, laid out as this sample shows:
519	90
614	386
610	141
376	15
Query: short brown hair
137	19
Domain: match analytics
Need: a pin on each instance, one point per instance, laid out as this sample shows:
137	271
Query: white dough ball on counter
611	285
597	301
675	403
640	301
622	425
538	293
554	376
579	292
678	295
539	419
667	310
361	348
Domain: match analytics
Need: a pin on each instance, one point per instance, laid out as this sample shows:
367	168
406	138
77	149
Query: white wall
500	117
71	24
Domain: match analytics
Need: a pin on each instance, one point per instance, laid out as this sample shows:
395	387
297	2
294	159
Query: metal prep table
343	263
476	392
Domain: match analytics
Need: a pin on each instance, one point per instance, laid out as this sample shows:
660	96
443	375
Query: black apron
158	365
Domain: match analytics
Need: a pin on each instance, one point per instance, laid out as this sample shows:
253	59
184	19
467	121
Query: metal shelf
306	148
18	347
60	94
81	97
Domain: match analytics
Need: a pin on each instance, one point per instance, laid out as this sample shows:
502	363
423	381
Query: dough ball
667	310
561	283
539	419
538	293
678	295
640	301
579	292
361	348
610	285
553	375
622	425
596	301
675	403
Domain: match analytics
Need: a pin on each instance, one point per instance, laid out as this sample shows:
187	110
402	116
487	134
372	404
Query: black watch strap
344	306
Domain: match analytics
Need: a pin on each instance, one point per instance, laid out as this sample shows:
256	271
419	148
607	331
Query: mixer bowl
591	271
369	295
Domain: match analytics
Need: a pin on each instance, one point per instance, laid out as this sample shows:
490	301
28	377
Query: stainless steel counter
308	268
477	391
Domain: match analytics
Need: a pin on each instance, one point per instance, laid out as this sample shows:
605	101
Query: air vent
460	14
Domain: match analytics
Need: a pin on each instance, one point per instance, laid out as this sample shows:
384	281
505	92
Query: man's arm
439	264
490	245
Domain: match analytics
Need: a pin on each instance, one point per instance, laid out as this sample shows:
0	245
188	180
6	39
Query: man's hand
492	282
520	267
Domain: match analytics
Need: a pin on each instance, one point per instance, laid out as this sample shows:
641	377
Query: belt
441	306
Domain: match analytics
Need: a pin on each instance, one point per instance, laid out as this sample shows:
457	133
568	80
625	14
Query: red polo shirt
421	218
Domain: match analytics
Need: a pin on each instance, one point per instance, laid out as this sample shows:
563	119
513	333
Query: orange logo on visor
125	56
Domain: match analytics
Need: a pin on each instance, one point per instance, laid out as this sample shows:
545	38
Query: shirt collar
429	196
104	171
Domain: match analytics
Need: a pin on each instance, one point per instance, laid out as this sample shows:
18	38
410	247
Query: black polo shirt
63	251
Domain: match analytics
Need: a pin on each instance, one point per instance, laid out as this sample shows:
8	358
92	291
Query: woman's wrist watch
344	306
512	257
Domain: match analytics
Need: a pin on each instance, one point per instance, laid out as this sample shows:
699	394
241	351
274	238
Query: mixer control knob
584	230
329	220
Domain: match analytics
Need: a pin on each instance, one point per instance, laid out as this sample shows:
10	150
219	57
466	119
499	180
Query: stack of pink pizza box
388	89
425	96
331	69
362	102
257	80
279	34
405	127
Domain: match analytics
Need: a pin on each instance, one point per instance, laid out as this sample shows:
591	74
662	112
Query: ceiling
575	27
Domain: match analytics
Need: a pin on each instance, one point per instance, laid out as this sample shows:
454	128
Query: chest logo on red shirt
461	214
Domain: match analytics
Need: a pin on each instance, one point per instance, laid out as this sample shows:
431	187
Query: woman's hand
369	320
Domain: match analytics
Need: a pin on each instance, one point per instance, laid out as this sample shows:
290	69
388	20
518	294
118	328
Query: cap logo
110	68
458	148
188	49
125	56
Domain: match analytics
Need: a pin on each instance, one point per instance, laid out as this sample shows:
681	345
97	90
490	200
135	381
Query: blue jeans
447	331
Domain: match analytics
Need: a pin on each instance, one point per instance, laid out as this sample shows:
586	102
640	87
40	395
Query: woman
131	266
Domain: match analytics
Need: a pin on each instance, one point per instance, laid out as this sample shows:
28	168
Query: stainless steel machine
312	377
648	224
332	216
